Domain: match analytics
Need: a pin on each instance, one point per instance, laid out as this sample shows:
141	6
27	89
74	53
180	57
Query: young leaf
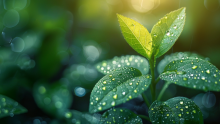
119	86
193	73
80	118
175	56
9	107
54	99
178	110
120	116
137	62
165	33
136	35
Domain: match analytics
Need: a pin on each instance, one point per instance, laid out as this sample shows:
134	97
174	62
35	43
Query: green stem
153	85
144	117
163	90
158	79
145	100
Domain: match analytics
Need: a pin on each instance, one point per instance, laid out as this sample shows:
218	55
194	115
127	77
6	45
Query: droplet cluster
175	110
9	107
138	62
120	116
128	83
197	74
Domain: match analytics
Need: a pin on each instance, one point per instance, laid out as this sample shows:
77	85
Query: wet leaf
54	99
178	110
175	56
120	116
77	117
193	73
9	107
136	35
165	33
137	62
119	86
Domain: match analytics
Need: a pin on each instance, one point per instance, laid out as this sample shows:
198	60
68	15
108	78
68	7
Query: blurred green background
48	49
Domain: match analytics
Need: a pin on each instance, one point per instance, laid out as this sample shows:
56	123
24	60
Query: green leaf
193	73
54	99
80	118
136	35
120	116
175	56
124	61
165	33
9	107
119	86
178	110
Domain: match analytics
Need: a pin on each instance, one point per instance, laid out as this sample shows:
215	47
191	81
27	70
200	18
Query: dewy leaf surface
175	56
54	99
165	33
119	86
177	110
137	62
193	73
9	107
120	116
136	35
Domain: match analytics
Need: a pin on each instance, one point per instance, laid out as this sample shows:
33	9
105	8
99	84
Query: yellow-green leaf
136	35
165	33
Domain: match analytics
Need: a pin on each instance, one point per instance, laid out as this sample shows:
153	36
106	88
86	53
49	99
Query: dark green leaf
175	56
9	107
76	117
165	33
193	73
54	99
120	116
119	86
178	110
124	61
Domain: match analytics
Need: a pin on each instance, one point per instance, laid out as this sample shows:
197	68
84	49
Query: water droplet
203	78
179	115
174	26
216	82
100	108
194	67
11	18
130	97
168	33
207	71
17	44
135	91
168	115
104	82
130	84
165	17
155	35
103	88
115	96
185	79
110	75
91	103
104	64
194	111
186	106
113	103
123	93
113	79
104	103
96	98
181	102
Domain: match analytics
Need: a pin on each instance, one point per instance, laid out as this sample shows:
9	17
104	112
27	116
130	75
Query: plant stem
163	90
158	79
153	85
145	100
144	117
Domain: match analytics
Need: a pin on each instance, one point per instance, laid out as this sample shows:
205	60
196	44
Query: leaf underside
165	33
119	86
136	35
135	61
193	73
177	110
9	107
120	116
175	56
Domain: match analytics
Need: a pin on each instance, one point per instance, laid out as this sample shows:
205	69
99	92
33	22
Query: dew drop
91	103
135	91
123	93
104	82
174	26
113	79
110	75
181	102
115	96
185	79
130	84
113	103
203	78
96	98
100	108
194	67
104	103
207	71
168	33
130	97
103	88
